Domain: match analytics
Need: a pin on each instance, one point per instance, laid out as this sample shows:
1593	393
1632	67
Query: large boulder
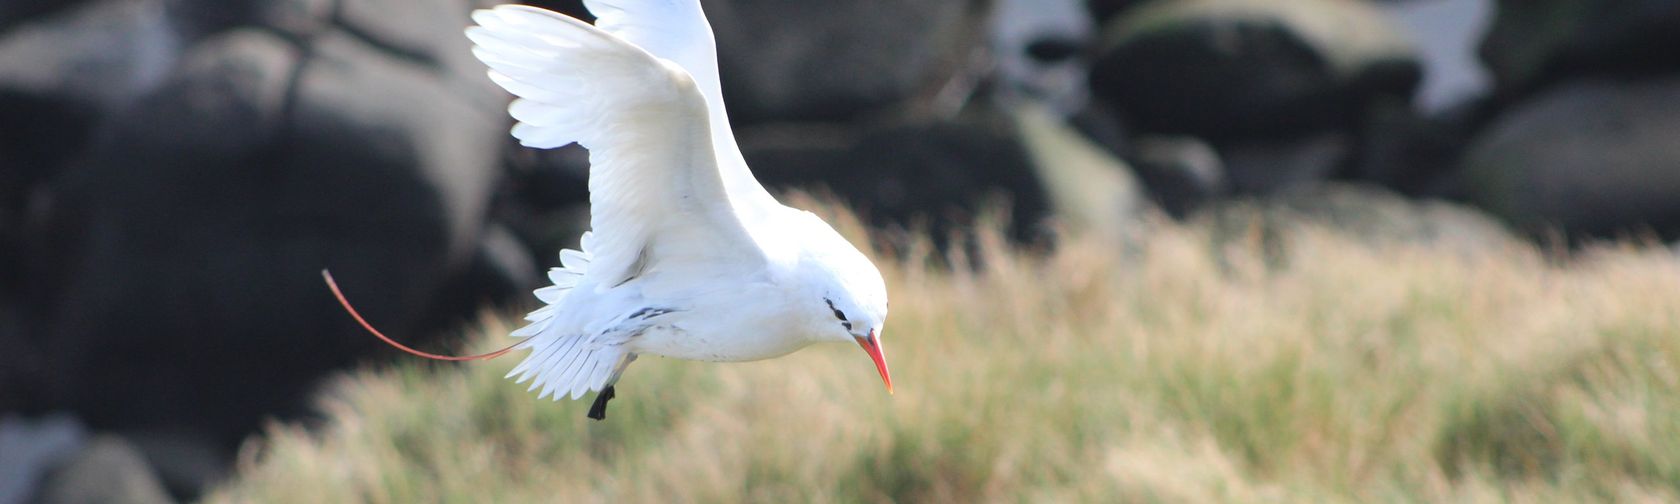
61	73
938	175
1536	42
15	11
202	217
949	173
1591	158
1245	69
838	59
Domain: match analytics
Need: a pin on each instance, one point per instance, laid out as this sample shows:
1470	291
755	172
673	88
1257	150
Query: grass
1184	367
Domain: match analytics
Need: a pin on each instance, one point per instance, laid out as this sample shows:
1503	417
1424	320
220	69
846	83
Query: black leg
598	410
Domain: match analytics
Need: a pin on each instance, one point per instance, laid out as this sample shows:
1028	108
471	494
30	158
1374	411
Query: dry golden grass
1183	368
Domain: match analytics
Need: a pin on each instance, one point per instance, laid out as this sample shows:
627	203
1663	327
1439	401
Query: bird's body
688	256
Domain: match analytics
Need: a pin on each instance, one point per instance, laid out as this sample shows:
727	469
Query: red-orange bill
872	345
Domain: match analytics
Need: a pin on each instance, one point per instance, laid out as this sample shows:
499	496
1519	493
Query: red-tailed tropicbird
688	256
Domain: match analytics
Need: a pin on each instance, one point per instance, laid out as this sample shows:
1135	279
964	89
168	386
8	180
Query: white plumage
688	256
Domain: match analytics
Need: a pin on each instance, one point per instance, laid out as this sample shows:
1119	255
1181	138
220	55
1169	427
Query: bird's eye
837	313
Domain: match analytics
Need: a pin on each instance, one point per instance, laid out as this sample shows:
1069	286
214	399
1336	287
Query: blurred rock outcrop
1374	215
838	59
1590	158
1533	43
184	172
1280	88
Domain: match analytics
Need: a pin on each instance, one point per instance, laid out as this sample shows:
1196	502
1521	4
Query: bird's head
847	299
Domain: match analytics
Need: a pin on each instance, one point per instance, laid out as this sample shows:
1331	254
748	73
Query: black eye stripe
837	313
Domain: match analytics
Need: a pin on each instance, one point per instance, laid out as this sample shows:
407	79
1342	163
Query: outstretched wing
677	30
657	199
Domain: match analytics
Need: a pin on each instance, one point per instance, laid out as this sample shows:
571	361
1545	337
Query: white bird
688	256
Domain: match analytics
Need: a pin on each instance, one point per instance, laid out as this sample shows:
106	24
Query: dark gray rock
299	19
1103	10
1251	68
1180	173
192	298
61	73
1590	158
944	175
838	59
183	461
427	33
16	11
1536	42
1259	167
937	175
108	470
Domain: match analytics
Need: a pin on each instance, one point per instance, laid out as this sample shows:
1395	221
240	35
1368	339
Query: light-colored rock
32	448
107	471
1091	190
1370	214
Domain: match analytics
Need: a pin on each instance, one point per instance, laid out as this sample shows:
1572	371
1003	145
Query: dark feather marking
649	312
837	313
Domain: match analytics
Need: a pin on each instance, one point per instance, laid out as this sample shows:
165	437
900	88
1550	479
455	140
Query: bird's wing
677	30
657	198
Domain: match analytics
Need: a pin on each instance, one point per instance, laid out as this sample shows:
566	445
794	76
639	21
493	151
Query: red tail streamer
365	325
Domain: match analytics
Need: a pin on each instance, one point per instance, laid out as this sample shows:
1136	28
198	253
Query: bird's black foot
598	410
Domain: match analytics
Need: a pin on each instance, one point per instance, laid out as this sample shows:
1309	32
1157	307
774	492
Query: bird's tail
342	301
573	264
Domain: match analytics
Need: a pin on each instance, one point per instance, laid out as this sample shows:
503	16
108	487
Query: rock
108	471
1103	10
1091	190
185	462
1401	148
426	32
941	175
66	70
1259	167
949	173
31	448
1593	158
837	59
1533	43
16	11
1181	173
1038	47
1229	69
207	210
1372	215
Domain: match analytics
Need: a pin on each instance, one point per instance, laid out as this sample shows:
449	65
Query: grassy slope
1183	371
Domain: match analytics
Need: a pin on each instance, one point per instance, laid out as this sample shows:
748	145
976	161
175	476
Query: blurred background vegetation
1174	250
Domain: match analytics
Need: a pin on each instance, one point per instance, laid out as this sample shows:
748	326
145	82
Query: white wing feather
677	30
656	196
